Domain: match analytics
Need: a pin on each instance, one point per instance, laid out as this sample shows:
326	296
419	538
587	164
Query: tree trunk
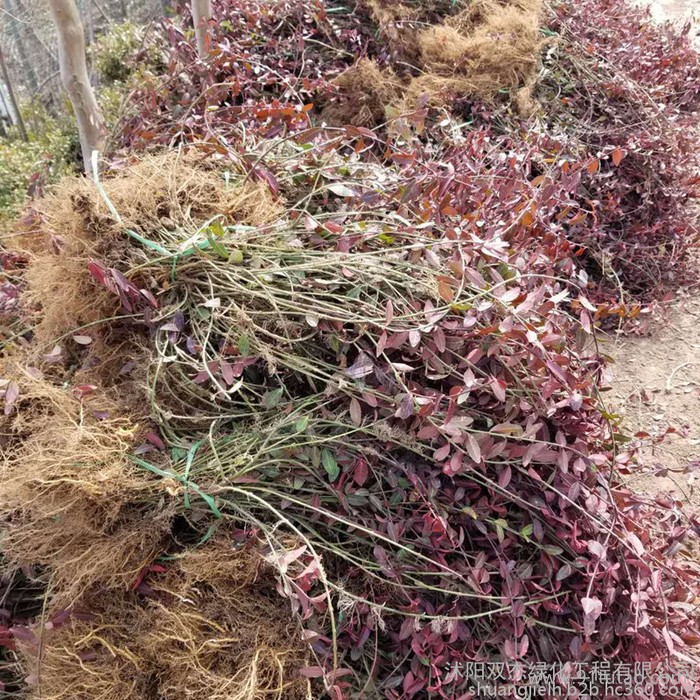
74	74
13	98
90	23
5	116
201	14
85	12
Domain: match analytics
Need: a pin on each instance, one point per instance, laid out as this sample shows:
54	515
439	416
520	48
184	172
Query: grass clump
72	500
73	226
486	48
477	50
364	92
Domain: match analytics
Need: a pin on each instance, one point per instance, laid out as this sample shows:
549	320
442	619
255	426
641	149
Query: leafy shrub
251	79
26	167
120	51
113	100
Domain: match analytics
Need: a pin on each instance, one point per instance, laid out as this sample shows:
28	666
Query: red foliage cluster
268	62
507	489
618	95
487	503
492	485
625	88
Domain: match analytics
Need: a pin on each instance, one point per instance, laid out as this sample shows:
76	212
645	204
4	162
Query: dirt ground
656	388
656	377
675	9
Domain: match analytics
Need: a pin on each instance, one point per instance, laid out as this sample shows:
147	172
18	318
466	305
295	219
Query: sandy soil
656	388
675	9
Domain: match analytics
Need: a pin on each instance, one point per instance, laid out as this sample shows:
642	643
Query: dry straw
71	498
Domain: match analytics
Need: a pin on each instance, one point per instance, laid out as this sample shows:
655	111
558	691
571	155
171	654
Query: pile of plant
626	92
614	91
351	371
401	398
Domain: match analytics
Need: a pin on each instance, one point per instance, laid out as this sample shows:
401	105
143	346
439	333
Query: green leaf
188	466
272	398
207	535
613	417
564	572
301	424
501	526
329	464
527	531
217	229
358	501
244	345
236	257
170	475
461	307
178	453
553	550
216	246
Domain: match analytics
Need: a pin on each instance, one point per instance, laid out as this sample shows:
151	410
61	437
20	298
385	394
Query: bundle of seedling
386	418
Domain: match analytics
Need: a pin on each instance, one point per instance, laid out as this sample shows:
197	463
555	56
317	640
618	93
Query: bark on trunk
74	74
201	14
90	23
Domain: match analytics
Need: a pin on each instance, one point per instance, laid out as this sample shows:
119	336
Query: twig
669	381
